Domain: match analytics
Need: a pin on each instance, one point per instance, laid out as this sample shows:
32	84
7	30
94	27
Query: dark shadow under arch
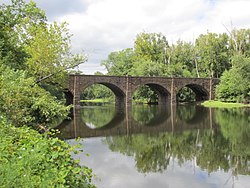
162	93
119	94
201	93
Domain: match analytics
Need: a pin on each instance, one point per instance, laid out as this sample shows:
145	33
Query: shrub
30	159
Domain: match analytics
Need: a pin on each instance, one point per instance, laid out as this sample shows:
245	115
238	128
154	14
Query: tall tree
50	55
151	46
120	63
46	47
213	55
239	42
32	51
181	60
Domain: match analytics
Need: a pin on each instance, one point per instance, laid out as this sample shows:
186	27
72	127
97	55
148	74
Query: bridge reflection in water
167	119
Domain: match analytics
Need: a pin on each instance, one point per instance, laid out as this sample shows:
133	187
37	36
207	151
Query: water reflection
93	121
214	140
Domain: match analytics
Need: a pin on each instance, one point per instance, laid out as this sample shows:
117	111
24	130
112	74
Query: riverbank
220	104
98	100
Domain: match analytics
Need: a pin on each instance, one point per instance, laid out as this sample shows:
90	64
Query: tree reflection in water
226	147
213	139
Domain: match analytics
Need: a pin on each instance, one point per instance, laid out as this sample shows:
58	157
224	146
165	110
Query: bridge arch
161	91
118	92
201	92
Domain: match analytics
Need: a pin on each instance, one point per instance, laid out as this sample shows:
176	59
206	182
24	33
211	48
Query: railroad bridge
124	86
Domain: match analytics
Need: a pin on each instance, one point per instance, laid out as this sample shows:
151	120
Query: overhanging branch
52	74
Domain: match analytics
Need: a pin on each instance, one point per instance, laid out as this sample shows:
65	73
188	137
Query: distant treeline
224	56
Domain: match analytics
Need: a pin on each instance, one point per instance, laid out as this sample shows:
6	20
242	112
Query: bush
25	103
30	159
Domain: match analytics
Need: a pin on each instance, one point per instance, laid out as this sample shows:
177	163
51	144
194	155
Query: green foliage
234	85
24	102
98	117
29	159
16	21
144	93
153	56
181	58
147	68
186	95
97	91
31	52
30	43
239	42
213	54
120	63
225	147
151	47
49	51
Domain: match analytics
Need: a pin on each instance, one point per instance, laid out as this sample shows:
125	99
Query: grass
220	104
97	100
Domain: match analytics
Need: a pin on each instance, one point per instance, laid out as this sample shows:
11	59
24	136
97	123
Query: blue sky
102	26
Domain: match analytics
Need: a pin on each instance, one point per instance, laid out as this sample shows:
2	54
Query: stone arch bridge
124	86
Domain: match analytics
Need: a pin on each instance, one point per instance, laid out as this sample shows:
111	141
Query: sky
100	27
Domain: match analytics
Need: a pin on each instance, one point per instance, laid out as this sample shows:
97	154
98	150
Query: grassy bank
219	104
98	100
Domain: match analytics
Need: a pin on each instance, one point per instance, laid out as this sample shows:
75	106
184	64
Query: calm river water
154	146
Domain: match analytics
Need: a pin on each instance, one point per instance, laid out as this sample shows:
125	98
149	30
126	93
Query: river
156	146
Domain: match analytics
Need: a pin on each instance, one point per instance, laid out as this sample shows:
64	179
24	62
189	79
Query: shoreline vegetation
209	103
220	104
105	100
31	159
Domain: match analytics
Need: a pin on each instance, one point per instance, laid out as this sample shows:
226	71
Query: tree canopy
35	59
212	55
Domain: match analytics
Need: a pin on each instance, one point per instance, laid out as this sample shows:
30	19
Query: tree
50	55
181	60
16	21
234	85
213	54
239	42
120	63
25	103
151	46
45	48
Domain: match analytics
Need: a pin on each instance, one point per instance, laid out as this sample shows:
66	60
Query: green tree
25	103
45	48
97	91
16	21
120	63
151	47
239	42
50	56
213	54
181	60
234	85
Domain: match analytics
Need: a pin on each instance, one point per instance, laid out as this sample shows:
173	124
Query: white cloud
102	26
